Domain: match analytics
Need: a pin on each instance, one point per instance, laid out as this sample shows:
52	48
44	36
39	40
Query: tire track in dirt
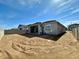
22	49
31	49
5	54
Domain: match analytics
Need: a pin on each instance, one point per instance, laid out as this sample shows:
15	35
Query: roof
39	23
74	25
50	21
56	22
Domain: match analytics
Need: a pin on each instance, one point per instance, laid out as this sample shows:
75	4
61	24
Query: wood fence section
75	31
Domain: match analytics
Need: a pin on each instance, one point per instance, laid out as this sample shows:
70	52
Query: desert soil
15	46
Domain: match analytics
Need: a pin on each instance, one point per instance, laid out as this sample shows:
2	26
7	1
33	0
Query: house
23	28
49	28
70	27
31	28
35	28
75	30
53	28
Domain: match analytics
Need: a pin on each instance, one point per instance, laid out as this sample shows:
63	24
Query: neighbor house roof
73	26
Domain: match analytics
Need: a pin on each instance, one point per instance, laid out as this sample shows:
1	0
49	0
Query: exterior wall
60	29
1	33
24	29
28	29
50	28
39	29
53	28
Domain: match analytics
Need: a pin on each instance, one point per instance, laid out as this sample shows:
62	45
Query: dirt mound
16	46
67	38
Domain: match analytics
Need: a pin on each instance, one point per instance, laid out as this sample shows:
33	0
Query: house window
48	28
20	28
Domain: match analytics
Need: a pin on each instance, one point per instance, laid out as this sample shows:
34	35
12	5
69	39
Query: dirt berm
14	46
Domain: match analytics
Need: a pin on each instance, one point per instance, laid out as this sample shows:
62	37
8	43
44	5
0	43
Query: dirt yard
14	46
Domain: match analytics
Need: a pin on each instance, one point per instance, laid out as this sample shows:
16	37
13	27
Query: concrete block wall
1	33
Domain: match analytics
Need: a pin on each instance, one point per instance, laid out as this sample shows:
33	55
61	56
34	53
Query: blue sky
15	12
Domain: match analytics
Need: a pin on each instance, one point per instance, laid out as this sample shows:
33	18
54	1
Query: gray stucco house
49	28
53	27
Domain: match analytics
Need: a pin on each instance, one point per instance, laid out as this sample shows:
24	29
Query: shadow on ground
50	37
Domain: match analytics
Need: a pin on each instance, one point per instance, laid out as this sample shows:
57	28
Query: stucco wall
1	33
54	28
60	29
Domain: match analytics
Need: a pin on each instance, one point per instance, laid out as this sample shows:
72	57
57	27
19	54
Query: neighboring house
22	27
75	30
70	27
49	27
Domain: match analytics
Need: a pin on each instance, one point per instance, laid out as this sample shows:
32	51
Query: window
20	28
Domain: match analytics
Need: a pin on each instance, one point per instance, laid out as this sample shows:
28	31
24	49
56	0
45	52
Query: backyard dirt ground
15	46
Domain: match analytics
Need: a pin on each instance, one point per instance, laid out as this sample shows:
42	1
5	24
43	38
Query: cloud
65	11
20	2
72	12
68	22
64	6
55	2
64	3
29	2
42	12
75	21
75	11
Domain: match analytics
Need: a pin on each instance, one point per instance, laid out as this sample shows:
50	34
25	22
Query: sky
15	12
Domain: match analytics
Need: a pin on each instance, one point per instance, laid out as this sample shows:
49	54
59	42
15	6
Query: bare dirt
15	46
